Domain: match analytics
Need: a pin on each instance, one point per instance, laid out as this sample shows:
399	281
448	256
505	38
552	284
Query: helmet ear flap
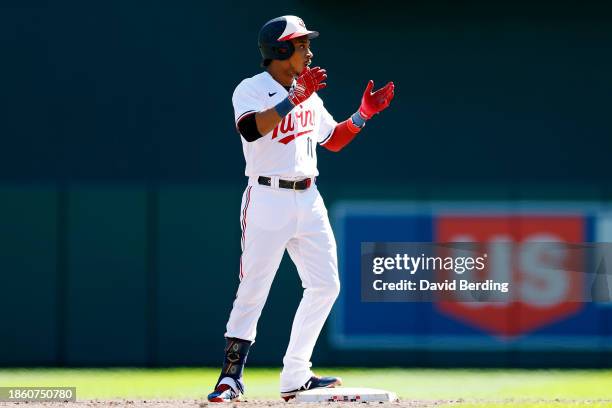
280	50
284	50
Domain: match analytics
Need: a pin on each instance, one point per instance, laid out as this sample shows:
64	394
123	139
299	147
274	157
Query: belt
290	184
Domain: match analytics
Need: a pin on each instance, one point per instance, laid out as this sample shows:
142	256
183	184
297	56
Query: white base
345	394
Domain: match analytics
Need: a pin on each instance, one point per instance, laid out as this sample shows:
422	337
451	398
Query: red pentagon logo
544	296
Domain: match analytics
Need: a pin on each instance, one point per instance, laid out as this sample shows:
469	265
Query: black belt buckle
300	184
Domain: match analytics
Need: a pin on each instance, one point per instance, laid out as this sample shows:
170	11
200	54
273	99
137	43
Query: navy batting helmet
275	37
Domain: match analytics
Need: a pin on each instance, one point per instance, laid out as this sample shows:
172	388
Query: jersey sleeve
246	100
328	124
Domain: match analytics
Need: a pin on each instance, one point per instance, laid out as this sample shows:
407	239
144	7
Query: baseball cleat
311	384
224	393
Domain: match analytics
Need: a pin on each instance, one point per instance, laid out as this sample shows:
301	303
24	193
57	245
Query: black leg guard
236	352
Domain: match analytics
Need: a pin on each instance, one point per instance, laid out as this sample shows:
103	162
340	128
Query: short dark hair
266	62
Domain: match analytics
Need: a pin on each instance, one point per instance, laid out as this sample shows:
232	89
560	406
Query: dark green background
121	172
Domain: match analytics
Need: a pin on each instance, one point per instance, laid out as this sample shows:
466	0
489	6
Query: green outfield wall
136	275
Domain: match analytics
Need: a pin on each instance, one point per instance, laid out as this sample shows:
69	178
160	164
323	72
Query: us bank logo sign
547	310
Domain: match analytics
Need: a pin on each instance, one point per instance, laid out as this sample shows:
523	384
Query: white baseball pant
274	219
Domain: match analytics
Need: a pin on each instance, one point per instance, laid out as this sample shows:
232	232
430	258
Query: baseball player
281	120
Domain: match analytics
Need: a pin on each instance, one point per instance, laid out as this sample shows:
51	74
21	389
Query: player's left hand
375	102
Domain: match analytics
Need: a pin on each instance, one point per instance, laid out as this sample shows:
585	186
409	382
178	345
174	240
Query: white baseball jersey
289	150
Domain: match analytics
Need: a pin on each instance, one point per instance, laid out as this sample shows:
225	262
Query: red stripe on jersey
290	138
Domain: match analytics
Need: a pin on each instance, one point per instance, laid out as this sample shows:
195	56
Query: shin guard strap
236	352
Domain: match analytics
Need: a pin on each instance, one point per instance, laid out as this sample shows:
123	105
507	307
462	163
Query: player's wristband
284	107
358	120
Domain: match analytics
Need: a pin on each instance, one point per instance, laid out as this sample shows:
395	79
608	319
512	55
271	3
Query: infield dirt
203	404
194	403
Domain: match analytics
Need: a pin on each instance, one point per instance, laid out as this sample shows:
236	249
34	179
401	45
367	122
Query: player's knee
329	289
332	289
336	289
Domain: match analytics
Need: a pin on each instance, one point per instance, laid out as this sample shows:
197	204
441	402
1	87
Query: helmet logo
301	22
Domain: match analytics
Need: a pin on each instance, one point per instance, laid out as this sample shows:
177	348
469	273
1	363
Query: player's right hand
310	80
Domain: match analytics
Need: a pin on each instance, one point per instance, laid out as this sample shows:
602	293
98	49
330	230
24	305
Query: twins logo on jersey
303	120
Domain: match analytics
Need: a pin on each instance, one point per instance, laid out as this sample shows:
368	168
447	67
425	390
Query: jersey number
309	147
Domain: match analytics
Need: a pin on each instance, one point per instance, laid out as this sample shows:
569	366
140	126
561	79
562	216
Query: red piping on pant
244	225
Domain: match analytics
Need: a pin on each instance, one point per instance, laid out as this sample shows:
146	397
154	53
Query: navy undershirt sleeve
248	128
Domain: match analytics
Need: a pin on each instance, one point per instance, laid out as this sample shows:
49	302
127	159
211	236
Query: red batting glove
309	81
374	102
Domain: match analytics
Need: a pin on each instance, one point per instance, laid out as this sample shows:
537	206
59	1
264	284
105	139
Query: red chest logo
295	124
